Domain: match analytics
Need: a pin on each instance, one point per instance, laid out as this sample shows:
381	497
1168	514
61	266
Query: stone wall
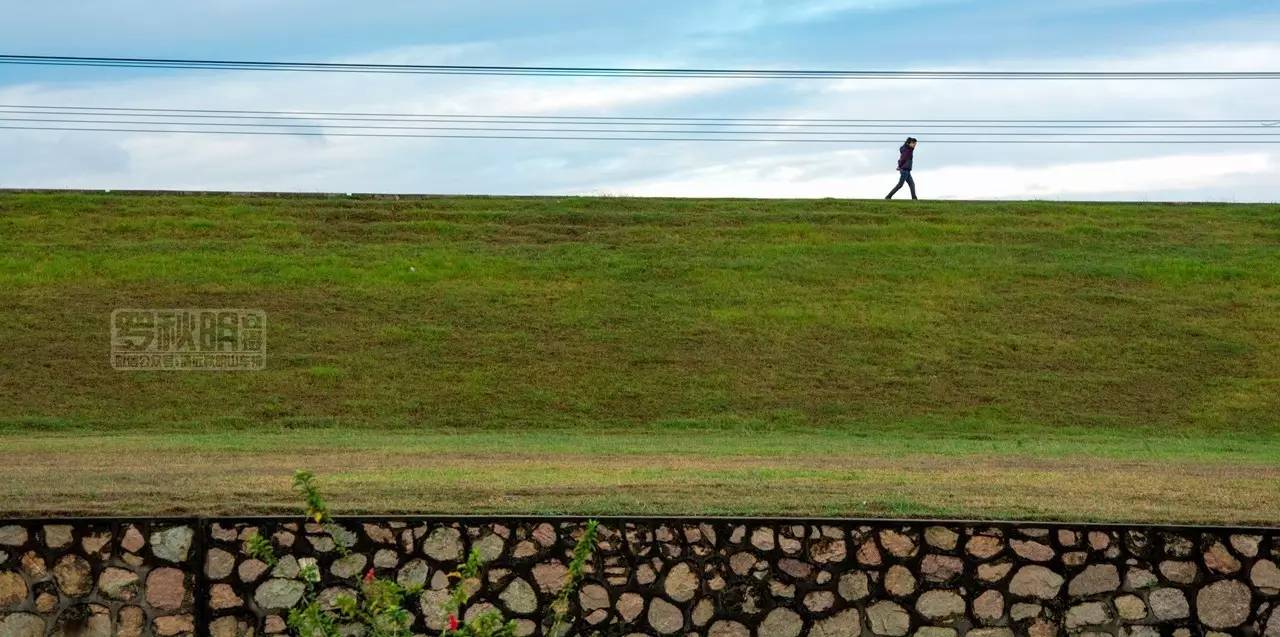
711	578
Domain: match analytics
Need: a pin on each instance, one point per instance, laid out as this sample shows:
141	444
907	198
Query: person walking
907	153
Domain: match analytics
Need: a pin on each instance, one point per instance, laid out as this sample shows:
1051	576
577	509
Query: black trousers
905	179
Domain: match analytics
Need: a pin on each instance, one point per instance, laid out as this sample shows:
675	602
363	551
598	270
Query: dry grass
656	473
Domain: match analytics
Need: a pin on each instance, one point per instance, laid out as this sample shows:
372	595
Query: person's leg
901	180
906	176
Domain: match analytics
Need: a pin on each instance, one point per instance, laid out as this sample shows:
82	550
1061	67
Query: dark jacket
904	160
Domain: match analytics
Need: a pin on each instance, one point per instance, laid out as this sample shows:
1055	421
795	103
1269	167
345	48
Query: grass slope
939	344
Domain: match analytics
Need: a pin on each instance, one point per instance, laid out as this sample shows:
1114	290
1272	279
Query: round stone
1168	604
22	625
984	546
846	623
328	598
131	621
444	544
72	573
413	573
12	535
1266	577
593	596
889	619
1220	560
781	622
795	568
941	537
869	553
167	588
288	567
828	551
222	596
1180	572
629	606
57	536
819	601
172	544
941	568
994	572
1096	579
348	566
1087	614
1140	578
550	576
853	586
33	565
1131	607
665	617
724	628
251	570
229	627
479	610
490	547
544	534
939	631
988	607
46	602
218	563
1035	581
1034	551
13	590
681	583
432	604
762	538
278	594
385	558
132	540
519	597
741	563
174	625
1246	545
897	544
899	581
97	544
1223	604
940	604
118	583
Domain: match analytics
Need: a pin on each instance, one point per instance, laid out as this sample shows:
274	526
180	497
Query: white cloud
838	175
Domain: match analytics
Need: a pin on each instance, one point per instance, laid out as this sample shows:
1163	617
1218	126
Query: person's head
911	141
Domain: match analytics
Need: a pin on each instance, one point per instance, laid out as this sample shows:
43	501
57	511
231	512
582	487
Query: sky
1158	35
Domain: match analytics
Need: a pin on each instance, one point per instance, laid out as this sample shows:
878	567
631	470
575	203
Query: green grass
993	335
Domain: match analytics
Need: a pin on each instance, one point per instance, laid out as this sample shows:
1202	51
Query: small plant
260	548
378	609
487	625
581	552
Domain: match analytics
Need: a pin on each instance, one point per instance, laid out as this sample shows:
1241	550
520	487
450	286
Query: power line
686	131
340	114
631	138
778	125
587	71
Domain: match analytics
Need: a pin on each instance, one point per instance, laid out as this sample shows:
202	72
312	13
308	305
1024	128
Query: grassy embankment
1072	361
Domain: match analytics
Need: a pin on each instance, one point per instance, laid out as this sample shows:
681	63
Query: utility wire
1252	140
567	120
587	71
1264	122
553	129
